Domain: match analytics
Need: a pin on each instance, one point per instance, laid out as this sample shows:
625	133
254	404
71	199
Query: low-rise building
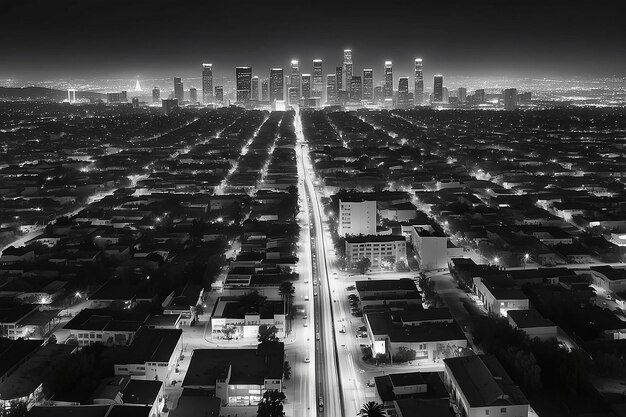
237	376
124	390
375	248
532	323
152	354
107	326
394	292
229	312
609	278
479	386
499	295
431	341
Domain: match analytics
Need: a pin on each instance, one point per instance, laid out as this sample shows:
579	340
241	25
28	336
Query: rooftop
153	345
525	319
484	382
403	284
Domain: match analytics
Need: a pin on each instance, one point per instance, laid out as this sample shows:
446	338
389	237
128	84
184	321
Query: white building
375	248
479	386
357	218
430	246
499	295
230	313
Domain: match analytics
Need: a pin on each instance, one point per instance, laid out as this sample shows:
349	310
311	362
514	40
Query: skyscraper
347	67
294	81
207	83
318	79
331	88
338	78
356	88
418	95
510	98
156	95
438	88
193	95
219	93
479	95
277	90
462	94
243	75
444	95
169	105
265	89
306	85
368	84
179	93
403	92
255	89
388	90
293	95
71	95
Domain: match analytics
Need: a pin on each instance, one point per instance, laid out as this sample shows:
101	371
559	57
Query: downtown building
207	83
277	89
418	93
356	88
388	86
179	92
318	79
331	88
438	89
243	76
368	84
403	92
347	67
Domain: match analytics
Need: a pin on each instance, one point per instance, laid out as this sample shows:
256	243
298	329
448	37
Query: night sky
47	39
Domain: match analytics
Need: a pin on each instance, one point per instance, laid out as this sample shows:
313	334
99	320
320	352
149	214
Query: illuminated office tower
462	94
71	95
293	95
347	67
438	88
510	98
277	90
388	90
306	85
156	95
356	88
318	79
255	89
264	89
418	94
378	93
403	92
479	95
338	78
193	95
444	95
294	80
368	84
219	93
331	88
124	95
135	102
207	83
243	76
179	93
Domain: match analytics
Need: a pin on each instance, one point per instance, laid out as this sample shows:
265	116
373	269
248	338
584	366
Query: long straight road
328	380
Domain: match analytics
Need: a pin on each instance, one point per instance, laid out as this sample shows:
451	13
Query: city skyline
484	38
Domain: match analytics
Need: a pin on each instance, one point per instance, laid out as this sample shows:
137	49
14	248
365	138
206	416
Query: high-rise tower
347	67
388	88
438	88
179	93
418	95
207	83
243	77
277	90
318	78
368	84
294	81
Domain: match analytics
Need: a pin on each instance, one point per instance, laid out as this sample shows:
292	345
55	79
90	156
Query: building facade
357	218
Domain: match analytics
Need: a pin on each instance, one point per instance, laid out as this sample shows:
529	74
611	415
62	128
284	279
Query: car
307	360
306	324
305	317
317	336
306	298
315	294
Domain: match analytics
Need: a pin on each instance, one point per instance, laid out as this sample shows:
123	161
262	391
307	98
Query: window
503	410
487	412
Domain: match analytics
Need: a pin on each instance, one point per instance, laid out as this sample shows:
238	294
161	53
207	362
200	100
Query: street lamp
526	257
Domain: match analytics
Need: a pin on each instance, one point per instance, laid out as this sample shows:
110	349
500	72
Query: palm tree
371	409
286	290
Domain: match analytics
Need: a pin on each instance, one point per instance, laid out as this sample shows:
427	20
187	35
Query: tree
363	265
16	409
286	290
199	310
404	354
229	331
267	333
271	405
372	409
286	371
